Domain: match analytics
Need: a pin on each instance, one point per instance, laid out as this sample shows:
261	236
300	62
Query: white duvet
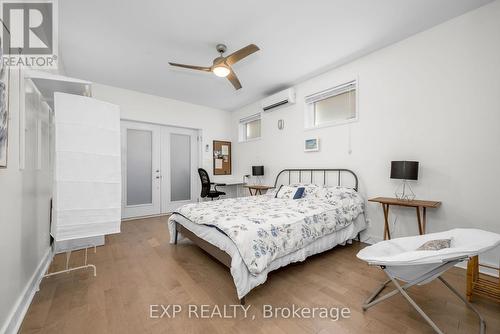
264	228
244	281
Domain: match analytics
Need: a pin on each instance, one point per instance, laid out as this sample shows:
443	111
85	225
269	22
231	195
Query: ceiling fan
222	65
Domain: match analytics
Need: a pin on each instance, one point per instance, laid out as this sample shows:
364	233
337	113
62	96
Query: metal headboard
314	171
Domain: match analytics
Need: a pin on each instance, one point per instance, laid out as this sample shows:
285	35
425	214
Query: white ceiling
128	43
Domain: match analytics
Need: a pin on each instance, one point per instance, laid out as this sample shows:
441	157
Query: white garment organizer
87	180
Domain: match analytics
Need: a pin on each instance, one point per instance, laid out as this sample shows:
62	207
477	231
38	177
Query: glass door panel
141	177
180	184
180	167
139	167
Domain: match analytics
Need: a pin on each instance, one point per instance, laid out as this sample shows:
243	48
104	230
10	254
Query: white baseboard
16	316
144	217
370	239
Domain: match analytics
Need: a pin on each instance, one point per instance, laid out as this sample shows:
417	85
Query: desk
257	188
228	180
233	186
417	204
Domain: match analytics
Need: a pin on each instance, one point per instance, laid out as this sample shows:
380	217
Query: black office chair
206	190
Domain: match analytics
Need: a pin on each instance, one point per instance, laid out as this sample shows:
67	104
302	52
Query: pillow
334	192
272	192
309	188
299	193
436	244
290	192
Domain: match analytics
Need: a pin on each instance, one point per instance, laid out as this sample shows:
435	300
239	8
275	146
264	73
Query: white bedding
243	279
265	228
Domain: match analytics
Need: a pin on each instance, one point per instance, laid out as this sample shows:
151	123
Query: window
250	127
333	106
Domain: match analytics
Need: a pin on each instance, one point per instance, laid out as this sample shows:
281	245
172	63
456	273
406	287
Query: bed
255	235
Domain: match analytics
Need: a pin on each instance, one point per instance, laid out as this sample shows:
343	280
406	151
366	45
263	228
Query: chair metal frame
429	276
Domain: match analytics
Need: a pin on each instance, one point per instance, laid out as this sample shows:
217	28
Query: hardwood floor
138	267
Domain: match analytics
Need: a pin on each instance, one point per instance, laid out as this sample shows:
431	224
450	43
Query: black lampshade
404	170
257	170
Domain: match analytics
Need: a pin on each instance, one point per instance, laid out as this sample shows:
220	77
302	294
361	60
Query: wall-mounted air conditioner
283	98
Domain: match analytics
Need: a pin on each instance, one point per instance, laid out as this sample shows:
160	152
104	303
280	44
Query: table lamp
404	170
258	171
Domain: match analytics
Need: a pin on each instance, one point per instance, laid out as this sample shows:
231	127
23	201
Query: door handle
158	176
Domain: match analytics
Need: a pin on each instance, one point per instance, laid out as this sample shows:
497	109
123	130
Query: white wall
435	98
24	209
142	107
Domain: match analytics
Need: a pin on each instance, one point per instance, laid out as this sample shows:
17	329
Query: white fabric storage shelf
87	180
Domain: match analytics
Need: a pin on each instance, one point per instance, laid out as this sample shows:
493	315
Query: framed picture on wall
311	145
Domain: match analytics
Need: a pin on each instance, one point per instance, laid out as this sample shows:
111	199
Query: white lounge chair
400	260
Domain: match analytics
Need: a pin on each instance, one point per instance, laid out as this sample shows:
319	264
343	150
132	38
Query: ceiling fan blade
192	67
241	53
234	80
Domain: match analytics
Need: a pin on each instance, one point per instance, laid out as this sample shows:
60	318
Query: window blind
347	87
250	118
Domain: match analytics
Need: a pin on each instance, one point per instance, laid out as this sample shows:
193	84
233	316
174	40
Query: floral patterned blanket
265	228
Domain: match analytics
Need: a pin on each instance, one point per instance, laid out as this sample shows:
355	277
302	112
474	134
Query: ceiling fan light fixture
221	66
221	71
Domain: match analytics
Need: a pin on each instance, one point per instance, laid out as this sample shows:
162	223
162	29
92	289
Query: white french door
159	168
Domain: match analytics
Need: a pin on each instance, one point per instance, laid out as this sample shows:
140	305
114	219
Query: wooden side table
256	188
419	205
